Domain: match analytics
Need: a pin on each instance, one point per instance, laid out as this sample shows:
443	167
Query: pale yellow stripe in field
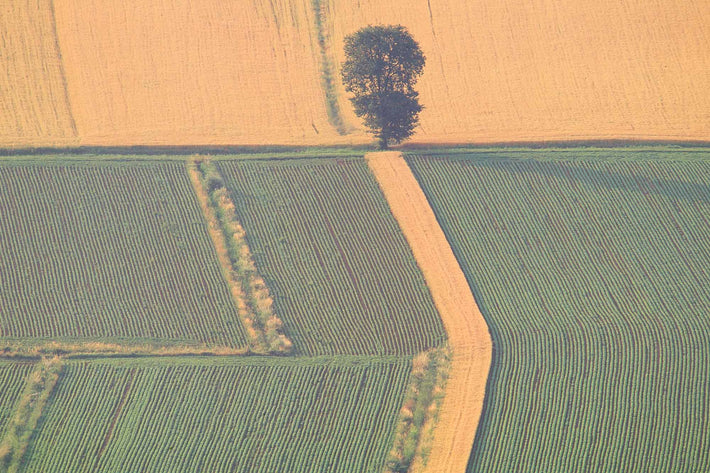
468	333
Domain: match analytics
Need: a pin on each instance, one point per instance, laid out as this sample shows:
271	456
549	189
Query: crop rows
27	413
12	380
263	327
342	275
239	415
593	277
109	251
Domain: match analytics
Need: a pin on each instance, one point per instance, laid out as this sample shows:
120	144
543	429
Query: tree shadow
572	169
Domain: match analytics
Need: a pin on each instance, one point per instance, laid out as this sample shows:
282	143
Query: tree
382	65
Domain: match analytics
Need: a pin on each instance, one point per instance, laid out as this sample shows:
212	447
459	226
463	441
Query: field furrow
109	251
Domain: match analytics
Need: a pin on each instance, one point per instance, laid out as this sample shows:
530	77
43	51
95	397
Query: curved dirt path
468	333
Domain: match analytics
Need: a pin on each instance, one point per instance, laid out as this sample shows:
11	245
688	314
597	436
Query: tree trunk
383	142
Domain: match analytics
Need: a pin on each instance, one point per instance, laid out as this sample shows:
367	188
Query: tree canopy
382	65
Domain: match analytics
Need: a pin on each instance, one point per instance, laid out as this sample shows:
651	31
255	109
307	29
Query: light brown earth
467	331
191	72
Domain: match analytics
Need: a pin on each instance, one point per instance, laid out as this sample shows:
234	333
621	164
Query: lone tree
382	65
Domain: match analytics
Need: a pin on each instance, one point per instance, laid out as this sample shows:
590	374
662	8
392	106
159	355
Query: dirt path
467	330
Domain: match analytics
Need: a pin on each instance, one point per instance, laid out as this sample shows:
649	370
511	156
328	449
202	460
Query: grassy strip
255	304
327	71
87	349
419	414
638	153
132	155
28	412
251	361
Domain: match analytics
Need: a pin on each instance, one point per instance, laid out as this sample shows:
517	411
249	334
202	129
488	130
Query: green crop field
109	250
12	380
592	269
117	249
221	415
343	277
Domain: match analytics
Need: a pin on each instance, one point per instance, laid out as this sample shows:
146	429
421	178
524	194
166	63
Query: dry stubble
515	70
34	109
468	333
187	72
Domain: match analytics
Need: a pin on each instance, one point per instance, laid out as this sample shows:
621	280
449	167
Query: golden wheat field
109	72
193	72
541	69
33	102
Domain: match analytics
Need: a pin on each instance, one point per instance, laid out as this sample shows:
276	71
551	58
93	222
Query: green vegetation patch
262	325
593	272
221	415
13	377
342	275
110	251
27	413
420	412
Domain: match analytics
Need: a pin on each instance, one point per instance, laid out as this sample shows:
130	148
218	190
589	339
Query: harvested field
12	380
344	280
591	268
110	251
186	72
229	415
468	334
193	72
34	108
539	70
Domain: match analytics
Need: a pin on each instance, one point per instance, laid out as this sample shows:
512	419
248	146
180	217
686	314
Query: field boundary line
469	337
420	411
249	291
91	349
65	87
328	77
